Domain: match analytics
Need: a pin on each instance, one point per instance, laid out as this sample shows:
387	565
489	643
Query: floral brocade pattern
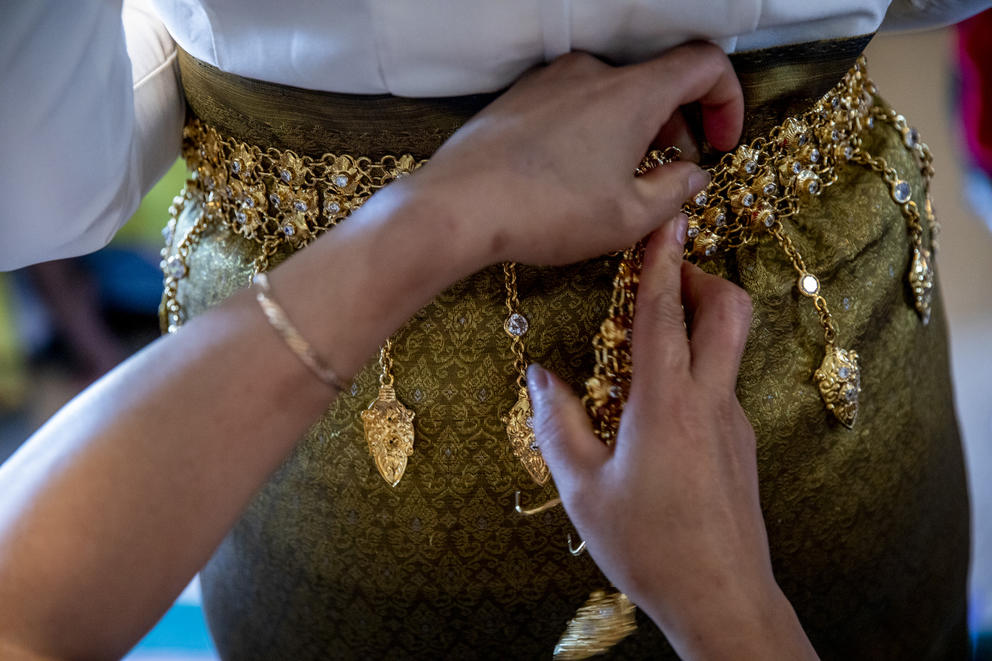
868	528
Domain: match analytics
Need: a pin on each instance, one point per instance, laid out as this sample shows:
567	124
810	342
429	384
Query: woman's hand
671	512
545	174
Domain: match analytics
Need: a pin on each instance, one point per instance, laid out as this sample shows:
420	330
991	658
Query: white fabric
86	131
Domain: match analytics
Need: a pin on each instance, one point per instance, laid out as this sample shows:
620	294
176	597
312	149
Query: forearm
116	502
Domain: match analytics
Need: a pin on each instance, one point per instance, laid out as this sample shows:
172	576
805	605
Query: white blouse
92	110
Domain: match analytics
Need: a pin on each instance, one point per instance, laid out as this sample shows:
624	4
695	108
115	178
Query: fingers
665	189
721	318
676	133
561	426
660	346
694	72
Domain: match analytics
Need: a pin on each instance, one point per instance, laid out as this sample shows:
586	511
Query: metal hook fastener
578	550
554	502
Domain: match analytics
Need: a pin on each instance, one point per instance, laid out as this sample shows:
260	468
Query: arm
670	513
120	498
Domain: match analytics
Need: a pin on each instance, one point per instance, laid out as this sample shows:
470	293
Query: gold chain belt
279	199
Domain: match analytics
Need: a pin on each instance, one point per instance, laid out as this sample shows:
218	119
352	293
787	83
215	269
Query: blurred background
65	323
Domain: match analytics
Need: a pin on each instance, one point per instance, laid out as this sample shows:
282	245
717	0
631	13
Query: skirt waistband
777	83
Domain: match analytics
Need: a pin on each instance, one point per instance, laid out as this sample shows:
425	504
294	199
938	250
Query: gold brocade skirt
868	528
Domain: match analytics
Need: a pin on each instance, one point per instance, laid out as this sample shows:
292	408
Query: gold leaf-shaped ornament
839	381
602	622
920	278
520	431
389	433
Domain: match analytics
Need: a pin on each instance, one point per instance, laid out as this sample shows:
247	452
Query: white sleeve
83	136
916	14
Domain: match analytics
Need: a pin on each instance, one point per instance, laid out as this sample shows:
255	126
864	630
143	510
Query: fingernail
698	180
538	378
680	225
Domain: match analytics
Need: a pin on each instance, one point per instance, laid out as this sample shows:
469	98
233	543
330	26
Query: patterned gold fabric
868	528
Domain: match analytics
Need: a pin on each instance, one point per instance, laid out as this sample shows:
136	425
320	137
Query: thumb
561	426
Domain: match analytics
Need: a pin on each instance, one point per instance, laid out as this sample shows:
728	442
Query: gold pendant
920	278
601	623
389	433
839	380
520	430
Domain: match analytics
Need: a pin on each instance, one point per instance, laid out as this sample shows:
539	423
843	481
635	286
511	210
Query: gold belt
281	199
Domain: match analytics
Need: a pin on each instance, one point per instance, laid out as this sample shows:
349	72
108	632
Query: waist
777	83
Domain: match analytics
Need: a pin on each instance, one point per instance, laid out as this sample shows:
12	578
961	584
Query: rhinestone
614	392
341	180
300	205
249	202
274	199
721	219
700	199
835	102
849	152
533	446
516	324
530	423
911	138
235	166
770	189
178	200
747	200
871	122
710	251
843	373
240	216
769	220
175	268
288	230
850	393
901	191
835	135
814	156
813	187
332	207
796	167
808	284
693	232
750	167
285	175
173	328
803	139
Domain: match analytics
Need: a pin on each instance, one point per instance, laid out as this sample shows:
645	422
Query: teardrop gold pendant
839	381
920	278
389	433
520	431
602	622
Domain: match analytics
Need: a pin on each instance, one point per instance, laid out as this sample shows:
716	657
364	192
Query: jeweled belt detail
278	199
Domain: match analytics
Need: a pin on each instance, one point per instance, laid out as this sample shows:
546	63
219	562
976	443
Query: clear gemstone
288	230
240	216
516	324
813	187
274	200
332	207
796	167
710	250
814	156
300	205
235	166
249	202
721	219
901	192
285	175
769	220
693	232
175	268
809	284
803	139
750	167
341	180
848	152
770	189
747	200
843	373
835	135
912	138
700	199
835	102
173	328
850	393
